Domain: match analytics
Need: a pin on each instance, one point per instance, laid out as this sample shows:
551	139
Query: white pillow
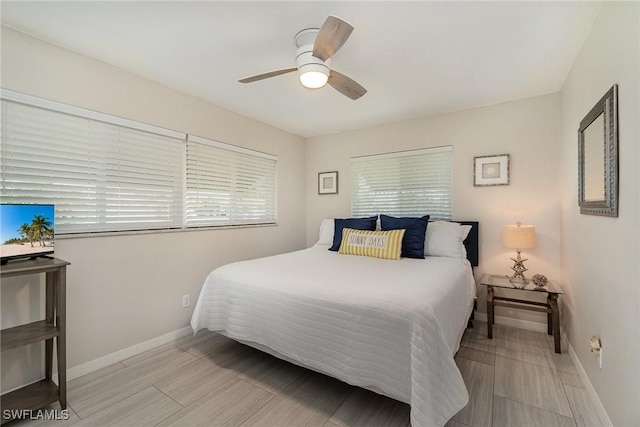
445	238
327	229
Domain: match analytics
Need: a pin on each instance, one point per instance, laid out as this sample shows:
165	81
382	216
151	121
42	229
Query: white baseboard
542	327
109	359
597	404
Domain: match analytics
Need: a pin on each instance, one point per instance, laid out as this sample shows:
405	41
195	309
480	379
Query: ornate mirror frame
599	169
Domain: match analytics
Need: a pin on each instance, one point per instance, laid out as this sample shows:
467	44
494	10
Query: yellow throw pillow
378	244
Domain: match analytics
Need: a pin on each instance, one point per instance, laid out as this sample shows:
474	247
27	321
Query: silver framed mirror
598	158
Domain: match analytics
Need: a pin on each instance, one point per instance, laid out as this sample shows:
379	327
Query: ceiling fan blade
267	75
332	35
345	85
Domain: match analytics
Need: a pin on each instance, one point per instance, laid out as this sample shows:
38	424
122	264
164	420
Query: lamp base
519	269
518	282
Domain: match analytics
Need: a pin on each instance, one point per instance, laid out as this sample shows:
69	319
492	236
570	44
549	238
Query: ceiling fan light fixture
313	79
315	47
312	72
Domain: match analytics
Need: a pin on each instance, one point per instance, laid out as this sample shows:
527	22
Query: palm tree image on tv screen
26	230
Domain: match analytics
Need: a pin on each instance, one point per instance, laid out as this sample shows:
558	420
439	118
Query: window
408	183
228	185
105	173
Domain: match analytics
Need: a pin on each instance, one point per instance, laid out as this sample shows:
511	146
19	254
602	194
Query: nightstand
552	290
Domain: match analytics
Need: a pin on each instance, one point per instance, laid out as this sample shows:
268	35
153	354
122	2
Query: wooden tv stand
53	326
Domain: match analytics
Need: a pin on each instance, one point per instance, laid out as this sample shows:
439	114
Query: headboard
471	242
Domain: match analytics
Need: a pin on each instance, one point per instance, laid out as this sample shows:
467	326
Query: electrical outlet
596	348
600	358
186	300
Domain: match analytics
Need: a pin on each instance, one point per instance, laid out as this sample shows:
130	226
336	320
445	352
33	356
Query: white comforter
389	326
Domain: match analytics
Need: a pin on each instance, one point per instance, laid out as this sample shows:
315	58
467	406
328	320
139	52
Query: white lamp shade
519	236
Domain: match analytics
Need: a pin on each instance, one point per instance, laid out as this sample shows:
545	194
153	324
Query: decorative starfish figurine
519	269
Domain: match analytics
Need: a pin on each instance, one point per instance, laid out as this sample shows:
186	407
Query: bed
392	327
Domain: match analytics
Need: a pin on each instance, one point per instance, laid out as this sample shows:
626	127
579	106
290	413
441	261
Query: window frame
58	107
240	157
385	175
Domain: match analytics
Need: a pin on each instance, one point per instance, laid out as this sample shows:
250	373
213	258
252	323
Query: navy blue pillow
355	223
413	240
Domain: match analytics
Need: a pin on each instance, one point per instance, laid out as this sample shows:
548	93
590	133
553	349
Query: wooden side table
53	327
552	290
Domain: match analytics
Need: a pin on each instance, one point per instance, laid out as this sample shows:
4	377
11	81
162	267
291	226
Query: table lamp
519	237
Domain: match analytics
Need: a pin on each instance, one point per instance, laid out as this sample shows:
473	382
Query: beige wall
125	290
526	129
600	256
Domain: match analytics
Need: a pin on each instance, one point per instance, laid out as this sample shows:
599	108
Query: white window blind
409	183
228	185
101	176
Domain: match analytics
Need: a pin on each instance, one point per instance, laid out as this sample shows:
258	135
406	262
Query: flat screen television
26	231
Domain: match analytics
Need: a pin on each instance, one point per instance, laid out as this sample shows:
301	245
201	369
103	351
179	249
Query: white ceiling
415	58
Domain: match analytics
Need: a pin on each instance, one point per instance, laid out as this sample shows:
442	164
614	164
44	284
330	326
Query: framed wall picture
328	182
491	170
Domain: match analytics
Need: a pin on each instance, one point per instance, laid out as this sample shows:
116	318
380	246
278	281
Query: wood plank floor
208	380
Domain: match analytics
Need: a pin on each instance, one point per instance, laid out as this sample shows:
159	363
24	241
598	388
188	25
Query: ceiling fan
313	59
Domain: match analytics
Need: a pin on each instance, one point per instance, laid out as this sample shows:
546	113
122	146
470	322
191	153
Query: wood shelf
51	330
31	397
39	265
27	334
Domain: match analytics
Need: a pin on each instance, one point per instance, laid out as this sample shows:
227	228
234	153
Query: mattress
389	326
